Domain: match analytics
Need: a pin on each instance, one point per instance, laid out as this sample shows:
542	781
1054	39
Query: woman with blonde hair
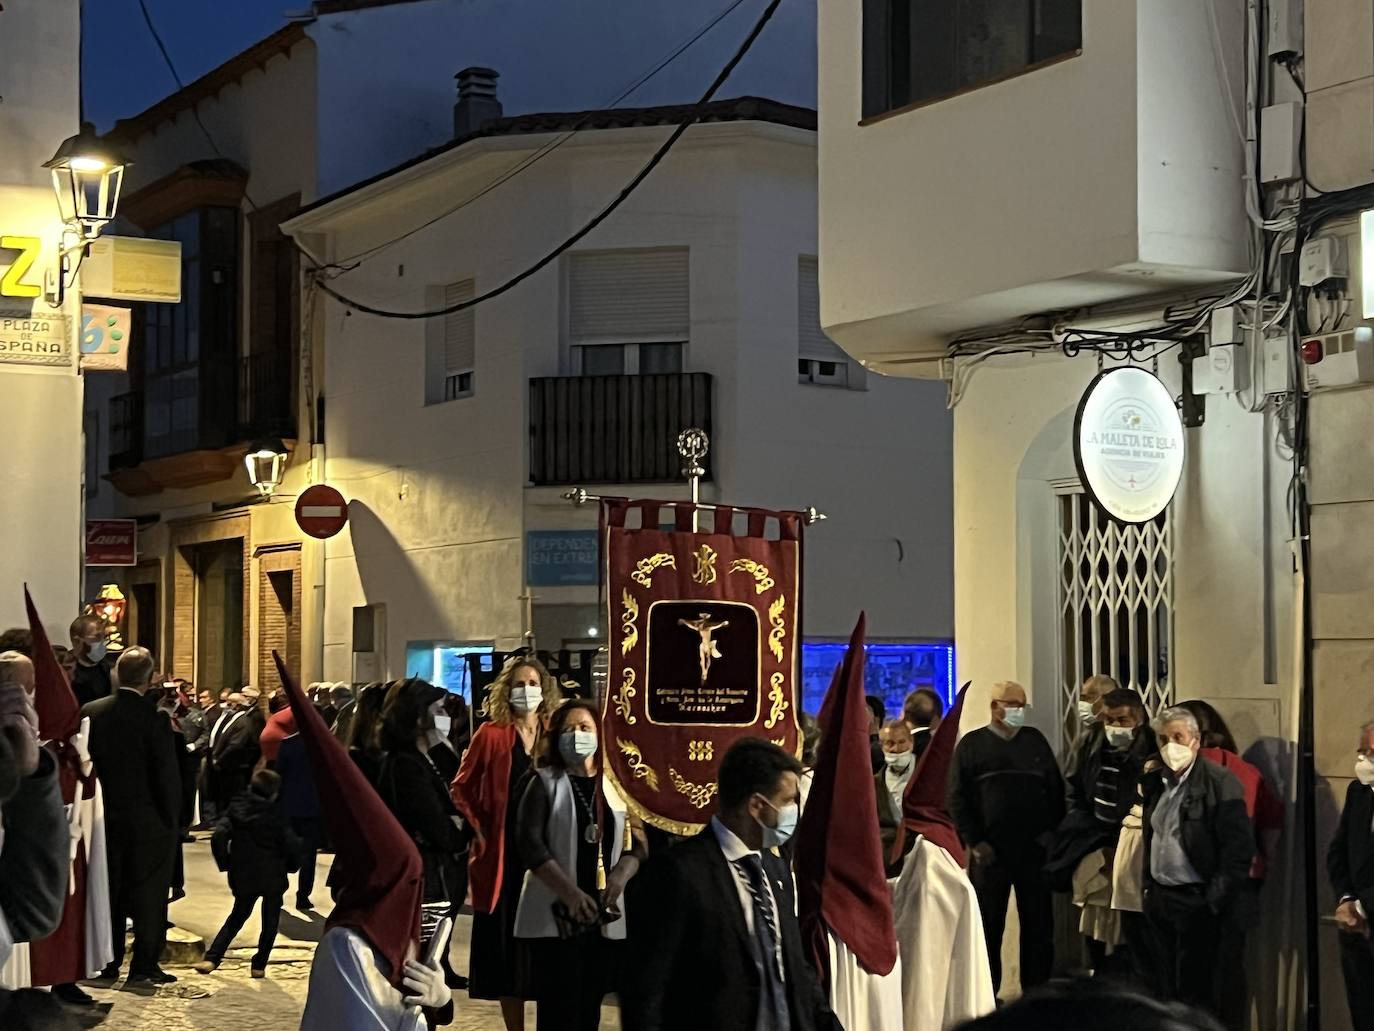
487	792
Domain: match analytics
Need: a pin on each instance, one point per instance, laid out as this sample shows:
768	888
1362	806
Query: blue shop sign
561	558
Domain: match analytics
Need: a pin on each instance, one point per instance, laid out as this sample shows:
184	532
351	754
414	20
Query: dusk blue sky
124	73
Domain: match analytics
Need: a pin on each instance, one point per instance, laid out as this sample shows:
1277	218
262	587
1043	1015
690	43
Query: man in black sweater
1350	865
91	679
1006	796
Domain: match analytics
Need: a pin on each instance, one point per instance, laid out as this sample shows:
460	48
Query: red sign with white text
111	542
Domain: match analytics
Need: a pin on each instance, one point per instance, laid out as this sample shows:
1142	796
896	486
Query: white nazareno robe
859	999
946	978
349	992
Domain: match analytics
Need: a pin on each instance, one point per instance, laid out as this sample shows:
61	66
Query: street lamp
87	175
266	462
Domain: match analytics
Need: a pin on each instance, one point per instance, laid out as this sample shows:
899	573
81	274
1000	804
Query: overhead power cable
353	261
688	121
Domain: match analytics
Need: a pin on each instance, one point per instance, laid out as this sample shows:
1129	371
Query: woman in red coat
487	792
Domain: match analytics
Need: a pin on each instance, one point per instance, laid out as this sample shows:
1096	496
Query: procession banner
703	649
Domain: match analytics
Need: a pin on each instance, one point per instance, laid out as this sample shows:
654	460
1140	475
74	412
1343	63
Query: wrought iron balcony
614	429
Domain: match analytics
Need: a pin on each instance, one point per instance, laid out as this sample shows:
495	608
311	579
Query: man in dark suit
1350	864
718	942
234	749
135	756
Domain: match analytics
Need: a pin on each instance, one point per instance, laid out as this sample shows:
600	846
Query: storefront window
445	664
891	671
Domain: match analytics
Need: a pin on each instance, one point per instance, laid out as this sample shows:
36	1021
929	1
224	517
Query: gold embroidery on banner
781	742
682	830
777	700
779	630
644	568
763	580
704	565
627	622
699	795
701	751
634	759
622	699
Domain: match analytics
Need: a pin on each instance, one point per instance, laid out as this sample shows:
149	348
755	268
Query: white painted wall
438	495
41	507
1106	175
552	57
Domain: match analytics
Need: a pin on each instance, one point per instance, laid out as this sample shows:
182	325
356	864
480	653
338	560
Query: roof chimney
477	103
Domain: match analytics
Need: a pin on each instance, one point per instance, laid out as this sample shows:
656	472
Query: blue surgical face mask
576	745
96	652
1014	717
776	837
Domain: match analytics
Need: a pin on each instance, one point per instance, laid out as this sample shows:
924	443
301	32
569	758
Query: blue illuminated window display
444	664
891	671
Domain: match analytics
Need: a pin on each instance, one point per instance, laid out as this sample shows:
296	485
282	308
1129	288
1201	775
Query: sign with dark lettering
1128	444
561	558
111	542
28	338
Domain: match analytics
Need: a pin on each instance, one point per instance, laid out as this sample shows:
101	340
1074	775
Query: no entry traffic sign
321	511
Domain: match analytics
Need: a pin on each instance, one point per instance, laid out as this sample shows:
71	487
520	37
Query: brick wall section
181	600
277	628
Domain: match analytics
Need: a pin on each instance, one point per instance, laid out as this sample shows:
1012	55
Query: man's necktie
766	934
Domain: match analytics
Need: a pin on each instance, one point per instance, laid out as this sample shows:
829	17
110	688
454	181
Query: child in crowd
256	847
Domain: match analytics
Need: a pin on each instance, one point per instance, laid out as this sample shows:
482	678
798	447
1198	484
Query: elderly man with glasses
1198	845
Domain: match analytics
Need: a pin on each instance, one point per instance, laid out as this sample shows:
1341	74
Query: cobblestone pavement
229	1000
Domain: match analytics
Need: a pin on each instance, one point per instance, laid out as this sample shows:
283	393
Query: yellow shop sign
13	278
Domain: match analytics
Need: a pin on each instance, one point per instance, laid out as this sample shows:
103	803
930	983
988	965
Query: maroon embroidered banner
703	649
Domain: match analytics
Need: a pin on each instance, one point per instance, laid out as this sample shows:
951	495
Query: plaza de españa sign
1128	444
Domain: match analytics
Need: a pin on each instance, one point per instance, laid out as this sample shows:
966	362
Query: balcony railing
614	429
265	408
126	430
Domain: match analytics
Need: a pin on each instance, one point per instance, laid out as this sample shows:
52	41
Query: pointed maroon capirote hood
923	804
841	884
59	713
379	872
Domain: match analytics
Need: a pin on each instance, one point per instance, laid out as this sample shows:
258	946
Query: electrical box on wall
1285	28
1322	259
1280	142
1338	359
1224	369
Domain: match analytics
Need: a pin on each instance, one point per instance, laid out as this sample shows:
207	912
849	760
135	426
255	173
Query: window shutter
629	296
460	330
812	343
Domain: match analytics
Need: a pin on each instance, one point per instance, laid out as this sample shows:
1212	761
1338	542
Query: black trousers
1034	907
571	979
1185	938
139	858
1357	964
309	833
233	924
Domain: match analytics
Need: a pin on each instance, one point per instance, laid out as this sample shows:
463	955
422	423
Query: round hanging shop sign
1128	444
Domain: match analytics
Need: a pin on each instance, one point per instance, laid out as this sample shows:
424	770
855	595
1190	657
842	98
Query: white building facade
694	304
40	387
1012	204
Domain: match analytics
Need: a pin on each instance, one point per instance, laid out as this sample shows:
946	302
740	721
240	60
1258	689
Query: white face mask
898	762
1085	712
443	724
525	698
1176	756
1364	770
1119	737
1015	718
